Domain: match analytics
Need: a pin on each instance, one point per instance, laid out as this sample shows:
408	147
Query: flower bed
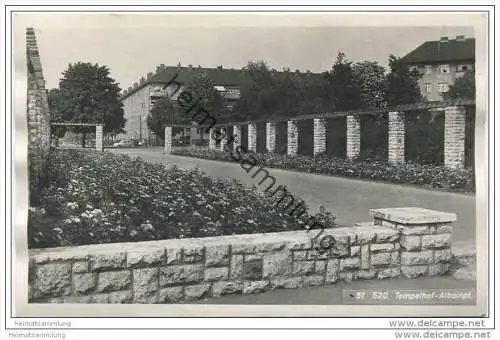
92	197
427	176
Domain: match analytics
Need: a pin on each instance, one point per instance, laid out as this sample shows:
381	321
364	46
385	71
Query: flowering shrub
92	197
428	176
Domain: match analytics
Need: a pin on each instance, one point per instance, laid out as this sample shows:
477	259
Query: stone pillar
425	239
98	137
192	134
319	136
454	137
236	136
271	137
292	137
396	140
168	139
223	141
212	144
353	136
252	137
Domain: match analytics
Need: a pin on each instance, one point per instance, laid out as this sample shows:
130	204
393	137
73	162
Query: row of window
441	87
445	68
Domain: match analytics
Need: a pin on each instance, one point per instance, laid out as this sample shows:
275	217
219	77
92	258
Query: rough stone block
113	281
389	273
414	258
345	277
253	269
193	254
395	258
171	294
381	247
355	251
216	274
313	280
174	256
81	267
350	263
52	279
411	272
332	271
100	298
320	267
364	274
438	269
442	255
227	287
380	259
300	255
146	285
365	256
277	264
303	268
253	287
84	283
286	282
366	236
436	241
410	243
271	246
236	267
181	274
443	228
145	258
252	257
217	255
196	292
386	235
108	261
340	248
121	297
414	230
317	255
412	215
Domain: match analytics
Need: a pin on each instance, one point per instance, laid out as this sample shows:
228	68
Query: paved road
349	199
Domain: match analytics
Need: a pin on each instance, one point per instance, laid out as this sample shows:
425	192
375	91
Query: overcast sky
132	45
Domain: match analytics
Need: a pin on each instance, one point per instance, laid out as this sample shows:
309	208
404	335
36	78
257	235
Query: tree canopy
87	94
464	87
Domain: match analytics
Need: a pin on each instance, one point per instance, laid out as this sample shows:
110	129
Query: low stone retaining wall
406	242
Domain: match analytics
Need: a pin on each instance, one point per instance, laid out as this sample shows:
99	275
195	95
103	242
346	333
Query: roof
219	76
442	51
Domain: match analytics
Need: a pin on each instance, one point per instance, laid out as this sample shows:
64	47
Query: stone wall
169	271
38	115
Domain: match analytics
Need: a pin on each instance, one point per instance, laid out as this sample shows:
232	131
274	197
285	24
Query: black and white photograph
205	160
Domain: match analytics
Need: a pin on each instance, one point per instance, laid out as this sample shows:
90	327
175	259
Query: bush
423	175
91	197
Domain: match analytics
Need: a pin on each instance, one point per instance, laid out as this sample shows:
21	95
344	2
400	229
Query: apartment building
441	63
139	99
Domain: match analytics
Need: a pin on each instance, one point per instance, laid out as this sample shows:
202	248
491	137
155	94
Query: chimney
444	39
460	38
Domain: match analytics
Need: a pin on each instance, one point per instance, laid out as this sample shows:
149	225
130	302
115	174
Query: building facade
441	63
139	99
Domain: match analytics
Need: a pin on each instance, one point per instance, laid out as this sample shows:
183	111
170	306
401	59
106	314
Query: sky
132	45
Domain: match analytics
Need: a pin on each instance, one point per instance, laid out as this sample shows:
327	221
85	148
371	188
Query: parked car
124	144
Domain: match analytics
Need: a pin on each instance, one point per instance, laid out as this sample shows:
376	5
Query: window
428	87
445	68
428	69
462	68
443	87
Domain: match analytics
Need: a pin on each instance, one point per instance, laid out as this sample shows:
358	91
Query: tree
87	94
164	112
344	86
54	99
464	87
402	83
202	88
371	81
